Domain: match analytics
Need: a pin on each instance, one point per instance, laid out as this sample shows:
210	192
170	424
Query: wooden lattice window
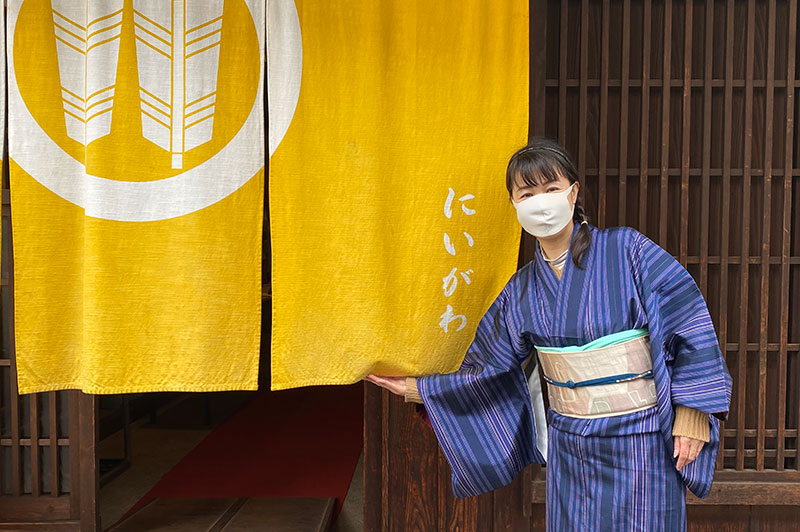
711	172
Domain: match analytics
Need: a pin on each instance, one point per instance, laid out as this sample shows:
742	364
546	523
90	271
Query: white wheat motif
177	50
87	44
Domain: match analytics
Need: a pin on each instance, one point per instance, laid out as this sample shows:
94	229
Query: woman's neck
554	246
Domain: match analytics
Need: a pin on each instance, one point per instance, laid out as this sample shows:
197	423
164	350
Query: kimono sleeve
482	413
681	331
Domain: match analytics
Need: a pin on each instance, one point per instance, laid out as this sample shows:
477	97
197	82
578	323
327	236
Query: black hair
543	161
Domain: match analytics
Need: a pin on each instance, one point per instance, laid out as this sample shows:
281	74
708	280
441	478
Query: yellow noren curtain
391	226
136	150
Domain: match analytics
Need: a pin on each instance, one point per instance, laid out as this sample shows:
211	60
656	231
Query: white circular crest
190	191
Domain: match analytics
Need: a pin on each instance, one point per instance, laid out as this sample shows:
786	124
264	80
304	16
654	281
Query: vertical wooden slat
765	239
126	428
33	419
442	493
708	63
726	198
538	72
623	109
507	516
16	465
562	75
5	212
373	509
385	459
414	488
745	251
2	433
4	384
582	90
666	82
16	455
527	491
603	155
485	518
89	480
686	127
797	162
55	488
645	123
73	437
785	241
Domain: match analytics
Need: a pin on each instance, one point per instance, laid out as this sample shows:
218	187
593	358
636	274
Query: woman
636	380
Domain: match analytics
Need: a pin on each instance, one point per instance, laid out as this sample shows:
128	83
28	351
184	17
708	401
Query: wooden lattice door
48	472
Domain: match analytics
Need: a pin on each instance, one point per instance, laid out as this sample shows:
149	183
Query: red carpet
294	443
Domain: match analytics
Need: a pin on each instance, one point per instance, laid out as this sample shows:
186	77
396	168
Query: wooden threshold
230	515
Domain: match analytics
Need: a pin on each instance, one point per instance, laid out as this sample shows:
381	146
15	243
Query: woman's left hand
686	450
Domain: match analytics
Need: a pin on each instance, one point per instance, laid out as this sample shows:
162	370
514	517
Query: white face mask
545	214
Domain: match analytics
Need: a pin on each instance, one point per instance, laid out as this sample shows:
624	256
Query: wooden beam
40	526
27	508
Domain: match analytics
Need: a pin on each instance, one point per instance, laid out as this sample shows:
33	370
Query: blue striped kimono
483	414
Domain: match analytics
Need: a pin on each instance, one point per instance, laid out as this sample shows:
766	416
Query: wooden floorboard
231	515
176	515
283	515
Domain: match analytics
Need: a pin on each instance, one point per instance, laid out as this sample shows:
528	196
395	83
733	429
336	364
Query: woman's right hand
396	385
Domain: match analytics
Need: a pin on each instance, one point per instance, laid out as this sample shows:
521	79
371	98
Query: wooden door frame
78	509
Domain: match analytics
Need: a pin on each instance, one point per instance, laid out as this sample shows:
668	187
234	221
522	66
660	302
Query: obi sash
610	376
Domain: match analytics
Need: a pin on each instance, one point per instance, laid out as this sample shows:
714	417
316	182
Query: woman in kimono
635	377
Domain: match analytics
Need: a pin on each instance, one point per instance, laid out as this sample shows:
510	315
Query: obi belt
610	376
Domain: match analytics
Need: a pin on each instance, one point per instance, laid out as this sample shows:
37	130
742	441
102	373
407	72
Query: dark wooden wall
48	471
681	116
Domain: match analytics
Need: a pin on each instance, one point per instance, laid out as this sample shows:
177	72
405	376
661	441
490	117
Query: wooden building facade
681	117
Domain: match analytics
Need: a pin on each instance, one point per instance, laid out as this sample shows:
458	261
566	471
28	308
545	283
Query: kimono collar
540	254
